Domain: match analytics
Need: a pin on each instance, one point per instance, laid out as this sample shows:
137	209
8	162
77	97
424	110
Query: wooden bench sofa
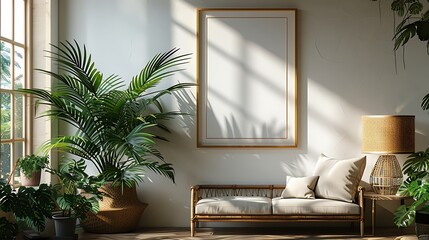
262	203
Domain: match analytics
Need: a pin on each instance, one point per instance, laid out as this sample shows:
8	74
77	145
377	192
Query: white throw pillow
299	187
338	179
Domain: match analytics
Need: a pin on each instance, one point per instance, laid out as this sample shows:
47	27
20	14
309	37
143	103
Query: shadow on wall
299	168
186	104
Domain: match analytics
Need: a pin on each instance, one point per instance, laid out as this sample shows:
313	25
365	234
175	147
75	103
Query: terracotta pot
34	180
119	211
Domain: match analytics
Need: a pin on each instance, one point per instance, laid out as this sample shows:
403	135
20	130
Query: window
14	29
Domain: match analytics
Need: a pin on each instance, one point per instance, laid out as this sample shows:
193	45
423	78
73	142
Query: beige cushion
318	206
239	205
299	187
338	179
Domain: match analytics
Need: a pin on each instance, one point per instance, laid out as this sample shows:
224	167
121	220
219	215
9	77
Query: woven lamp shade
387	134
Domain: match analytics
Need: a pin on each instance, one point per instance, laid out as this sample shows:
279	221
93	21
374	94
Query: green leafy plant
27	204
8	229
73	179
414	22
32	163
115	124
416	167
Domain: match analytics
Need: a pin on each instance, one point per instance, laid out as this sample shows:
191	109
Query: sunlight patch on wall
183	28
244	63
334	123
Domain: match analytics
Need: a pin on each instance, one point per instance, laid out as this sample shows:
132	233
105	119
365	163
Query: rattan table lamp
387	135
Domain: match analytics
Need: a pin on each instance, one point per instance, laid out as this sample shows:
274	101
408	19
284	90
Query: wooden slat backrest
271	191
207	191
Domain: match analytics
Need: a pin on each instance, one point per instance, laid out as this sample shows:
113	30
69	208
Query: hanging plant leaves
404	34
415	8
398	6
408	27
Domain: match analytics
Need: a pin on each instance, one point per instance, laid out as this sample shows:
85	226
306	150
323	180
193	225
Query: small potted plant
73	204
30	167
416	167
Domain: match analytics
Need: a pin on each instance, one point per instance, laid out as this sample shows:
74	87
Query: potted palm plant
30	167
71	203
416	167
115	123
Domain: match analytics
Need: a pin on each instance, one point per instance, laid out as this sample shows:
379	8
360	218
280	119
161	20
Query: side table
379	197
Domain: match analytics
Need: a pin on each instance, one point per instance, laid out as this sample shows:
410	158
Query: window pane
19	150
6	18
5	103
5	66
18	153
5	160
19	116
19	21
19	67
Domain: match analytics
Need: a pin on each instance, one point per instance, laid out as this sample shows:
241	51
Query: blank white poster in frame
247	78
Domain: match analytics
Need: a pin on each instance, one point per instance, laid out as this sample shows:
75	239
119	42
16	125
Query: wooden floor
254	234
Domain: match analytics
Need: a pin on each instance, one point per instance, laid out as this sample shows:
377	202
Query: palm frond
72	60
75	145
158	68
164	169
176	87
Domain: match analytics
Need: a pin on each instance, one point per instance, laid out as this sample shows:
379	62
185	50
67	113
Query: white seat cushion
239	205
295	206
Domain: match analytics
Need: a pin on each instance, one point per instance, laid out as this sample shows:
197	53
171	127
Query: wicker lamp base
386	176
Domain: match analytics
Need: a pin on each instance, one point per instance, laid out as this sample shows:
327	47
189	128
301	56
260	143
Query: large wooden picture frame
247	77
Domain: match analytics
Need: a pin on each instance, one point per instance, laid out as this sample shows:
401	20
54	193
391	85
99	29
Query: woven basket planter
119	211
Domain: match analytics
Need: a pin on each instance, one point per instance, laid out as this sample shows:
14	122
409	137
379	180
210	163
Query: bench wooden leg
362	228
192	228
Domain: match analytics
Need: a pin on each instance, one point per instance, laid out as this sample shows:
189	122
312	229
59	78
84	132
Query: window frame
26	140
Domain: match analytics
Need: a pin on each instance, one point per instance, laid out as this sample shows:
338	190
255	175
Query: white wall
45	25
346	69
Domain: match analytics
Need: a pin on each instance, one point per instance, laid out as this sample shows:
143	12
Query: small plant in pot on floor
71	203
30	167
417	186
